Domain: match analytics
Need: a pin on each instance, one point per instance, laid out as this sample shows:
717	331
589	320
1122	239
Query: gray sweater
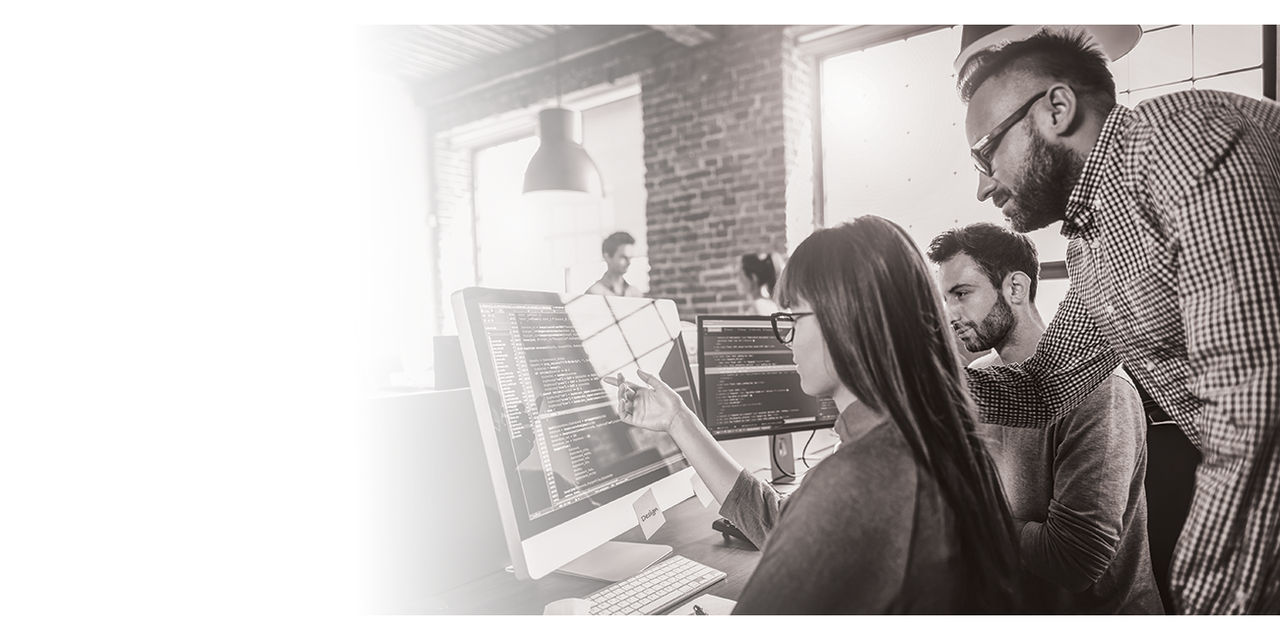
867	532
1076	492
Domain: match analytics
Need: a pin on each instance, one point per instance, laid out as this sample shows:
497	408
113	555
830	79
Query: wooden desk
688	530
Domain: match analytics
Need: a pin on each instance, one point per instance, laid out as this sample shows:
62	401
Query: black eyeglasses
985	147
784	325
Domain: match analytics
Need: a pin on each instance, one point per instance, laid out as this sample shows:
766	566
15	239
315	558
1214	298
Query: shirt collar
625	285
857	420
1079	216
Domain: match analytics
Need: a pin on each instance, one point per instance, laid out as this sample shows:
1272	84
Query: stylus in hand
626	392
619	382
654	407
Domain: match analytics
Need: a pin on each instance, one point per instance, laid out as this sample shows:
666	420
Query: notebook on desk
710	605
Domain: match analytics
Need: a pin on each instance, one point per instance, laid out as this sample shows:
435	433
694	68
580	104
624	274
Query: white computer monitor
566	470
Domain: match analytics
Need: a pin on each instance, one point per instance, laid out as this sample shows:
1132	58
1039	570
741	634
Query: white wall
398	297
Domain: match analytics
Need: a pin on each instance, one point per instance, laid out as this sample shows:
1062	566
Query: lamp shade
1115	40
560	163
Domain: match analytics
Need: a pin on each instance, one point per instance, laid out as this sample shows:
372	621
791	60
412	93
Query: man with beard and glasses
1173	213
1076	487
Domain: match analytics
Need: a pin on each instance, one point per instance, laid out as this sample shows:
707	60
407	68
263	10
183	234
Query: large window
1179	57
893	139
529	242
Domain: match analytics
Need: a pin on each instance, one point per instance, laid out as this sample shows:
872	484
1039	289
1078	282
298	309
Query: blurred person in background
617	250
757	276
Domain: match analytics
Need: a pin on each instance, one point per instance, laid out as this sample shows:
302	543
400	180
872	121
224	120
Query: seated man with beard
1076	487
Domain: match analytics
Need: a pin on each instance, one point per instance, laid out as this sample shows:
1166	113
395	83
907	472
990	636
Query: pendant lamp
560	163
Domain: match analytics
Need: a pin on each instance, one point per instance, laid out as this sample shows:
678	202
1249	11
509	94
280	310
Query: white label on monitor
700	489
648	513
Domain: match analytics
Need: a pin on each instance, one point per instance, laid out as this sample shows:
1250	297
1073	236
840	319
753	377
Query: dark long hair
890	344
762	269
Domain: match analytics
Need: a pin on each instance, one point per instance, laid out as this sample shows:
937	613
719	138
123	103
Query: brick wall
726	146
727	152
798	101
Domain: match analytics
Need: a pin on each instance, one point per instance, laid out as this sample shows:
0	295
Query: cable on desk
830	447
806	448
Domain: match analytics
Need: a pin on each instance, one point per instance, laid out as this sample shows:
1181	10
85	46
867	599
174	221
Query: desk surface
412	557
687	529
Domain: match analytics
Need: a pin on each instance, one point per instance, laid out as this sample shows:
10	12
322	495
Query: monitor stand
614	561
782	460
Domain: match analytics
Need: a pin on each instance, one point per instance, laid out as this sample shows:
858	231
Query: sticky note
648	513
700	489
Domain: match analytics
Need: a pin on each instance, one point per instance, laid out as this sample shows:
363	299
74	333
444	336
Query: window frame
478	135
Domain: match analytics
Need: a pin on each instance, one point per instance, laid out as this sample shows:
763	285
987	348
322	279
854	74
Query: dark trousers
1171	479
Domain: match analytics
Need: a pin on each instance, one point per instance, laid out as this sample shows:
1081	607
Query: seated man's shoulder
1119	384
1115	400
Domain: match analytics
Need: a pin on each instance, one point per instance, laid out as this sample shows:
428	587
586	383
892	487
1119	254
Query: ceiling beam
688	35
845	39
574	42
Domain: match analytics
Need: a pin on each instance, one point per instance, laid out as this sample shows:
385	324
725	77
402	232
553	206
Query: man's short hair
615	240
997	250
1068	56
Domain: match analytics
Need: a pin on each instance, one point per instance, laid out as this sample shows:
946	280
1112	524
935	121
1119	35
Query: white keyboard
660	587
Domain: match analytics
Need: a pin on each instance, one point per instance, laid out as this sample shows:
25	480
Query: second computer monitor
749	385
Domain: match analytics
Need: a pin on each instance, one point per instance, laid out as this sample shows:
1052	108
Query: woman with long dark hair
907	516
757	280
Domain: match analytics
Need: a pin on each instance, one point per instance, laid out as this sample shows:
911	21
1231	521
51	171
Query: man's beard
1041	199
992	331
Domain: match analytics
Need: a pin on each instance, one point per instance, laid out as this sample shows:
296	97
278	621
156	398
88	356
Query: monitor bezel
702	384
534	556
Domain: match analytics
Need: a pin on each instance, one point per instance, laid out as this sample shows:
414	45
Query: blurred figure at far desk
757	277
617	251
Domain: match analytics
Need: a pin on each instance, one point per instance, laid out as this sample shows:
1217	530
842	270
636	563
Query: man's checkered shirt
1174	261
